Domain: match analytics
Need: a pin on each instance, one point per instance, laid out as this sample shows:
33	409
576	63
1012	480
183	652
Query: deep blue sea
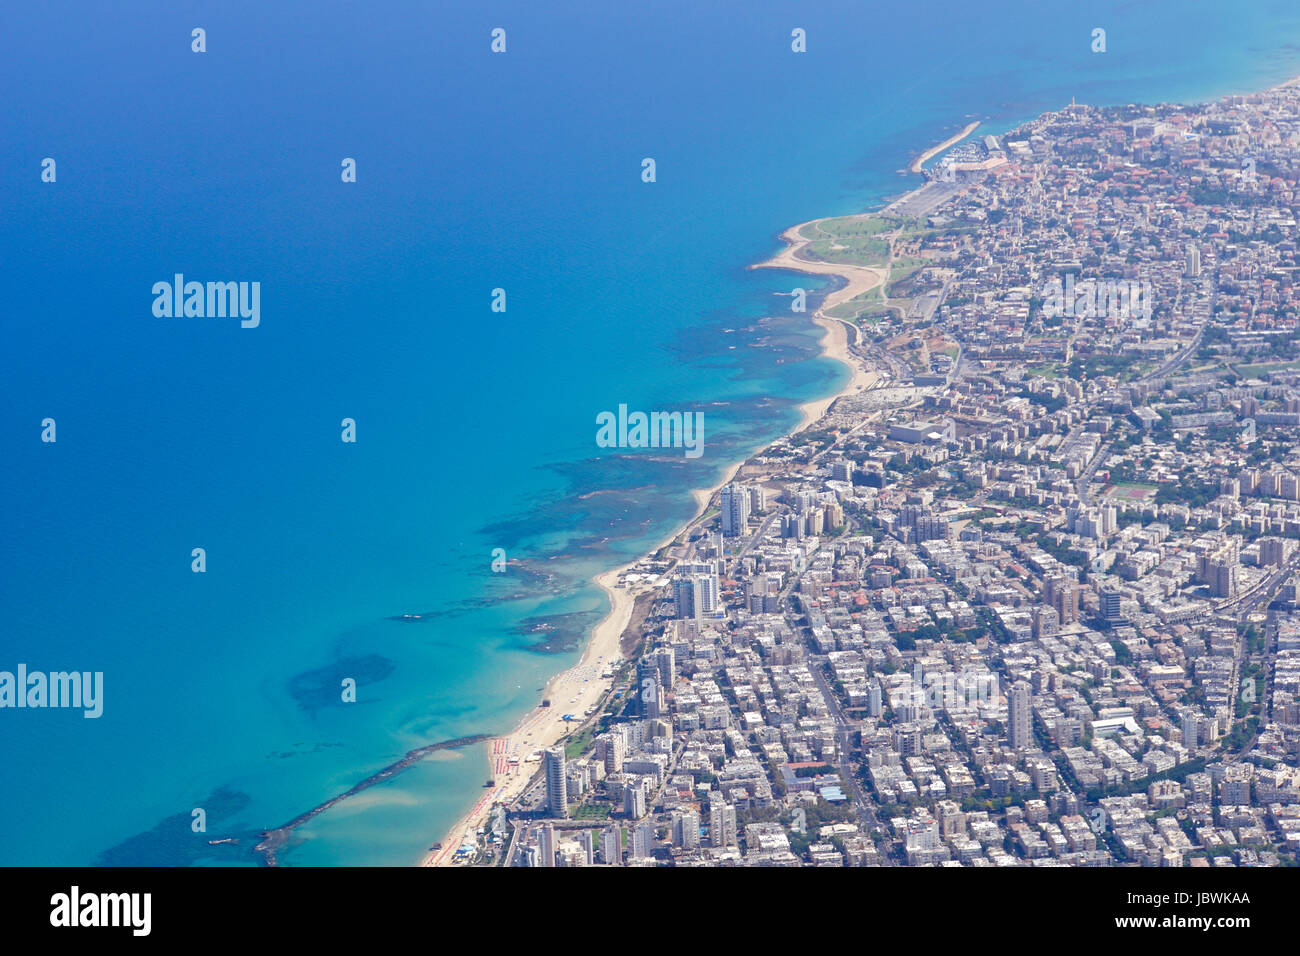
475	429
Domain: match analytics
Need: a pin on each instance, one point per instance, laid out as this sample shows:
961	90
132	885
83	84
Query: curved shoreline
858	280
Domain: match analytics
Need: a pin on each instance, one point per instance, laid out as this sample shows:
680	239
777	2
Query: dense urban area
1032	596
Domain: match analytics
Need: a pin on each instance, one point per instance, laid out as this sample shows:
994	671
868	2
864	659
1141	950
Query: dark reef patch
323	687
559	633
172	842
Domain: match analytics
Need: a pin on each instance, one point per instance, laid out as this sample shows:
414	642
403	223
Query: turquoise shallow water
475	429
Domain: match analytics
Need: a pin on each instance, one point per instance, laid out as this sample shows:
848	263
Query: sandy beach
581	687
573	691
835	343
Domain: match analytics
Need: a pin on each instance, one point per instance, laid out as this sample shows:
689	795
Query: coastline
617	287
605	636
542	727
